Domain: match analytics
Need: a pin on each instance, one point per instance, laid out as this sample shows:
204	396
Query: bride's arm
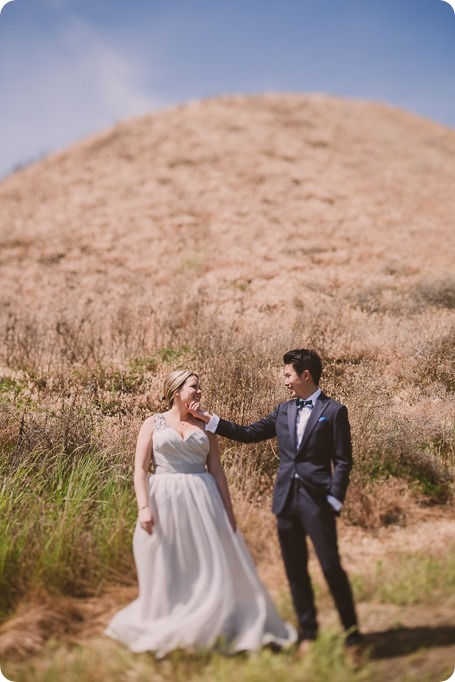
141	466
216	469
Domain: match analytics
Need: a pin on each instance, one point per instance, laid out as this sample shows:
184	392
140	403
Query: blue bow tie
304	403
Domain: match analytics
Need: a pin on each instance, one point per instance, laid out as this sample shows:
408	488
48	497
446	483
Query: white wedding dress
198	585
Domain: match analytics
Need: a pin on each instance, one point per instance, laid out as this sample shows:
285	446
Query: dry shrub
9	428
38	619
387	295
438	361
68	428
43	617
383	295
437	292
257	524
374	505
407	444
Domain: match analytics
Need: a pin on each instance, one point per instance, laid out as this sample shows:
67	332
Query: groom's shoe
354	649
354	655
304	649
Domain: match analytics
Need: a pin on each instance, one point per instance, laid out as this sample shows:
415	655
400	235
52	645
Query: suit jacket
324	458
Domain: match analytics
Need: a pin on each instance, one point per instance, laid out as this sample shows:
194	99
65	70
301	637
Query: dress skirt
198	585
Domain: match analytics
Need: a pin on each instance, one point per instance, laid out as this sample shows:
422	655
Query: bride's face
191	390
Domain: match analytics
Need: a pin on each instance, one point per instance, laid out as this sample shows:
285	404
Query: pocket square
322	419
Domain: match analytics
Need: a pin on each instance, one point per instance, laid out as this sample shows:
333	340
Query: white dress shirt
213	423
303	414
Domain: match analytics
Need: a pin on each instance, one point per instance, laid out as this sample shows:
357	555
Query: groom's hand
197	411
335	504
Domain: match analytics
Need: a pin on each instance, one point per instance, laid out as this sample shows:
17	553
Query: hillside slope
257	205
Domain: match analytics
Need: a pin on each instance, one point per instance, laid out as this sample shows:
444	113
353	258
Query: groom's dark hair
302	359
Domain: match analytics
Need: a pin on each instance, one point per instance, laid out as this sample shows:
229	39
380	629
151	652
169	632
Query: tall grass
74	392
65	523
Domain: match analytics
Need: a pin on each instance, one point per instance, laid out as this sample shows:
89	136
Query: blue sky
69	68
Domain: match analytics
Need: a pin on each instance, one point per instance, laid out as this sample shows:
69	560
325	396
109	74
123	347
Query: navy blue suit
320	466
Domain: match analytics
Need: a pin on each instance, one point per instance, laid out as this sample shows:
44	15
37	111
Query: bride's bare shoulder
149	423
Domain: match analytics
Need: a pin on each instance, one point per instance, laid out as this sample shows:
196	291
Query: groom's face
296	384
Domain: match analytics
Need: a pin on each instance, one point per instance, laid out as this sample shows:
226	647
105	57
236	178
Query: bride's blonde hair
174	381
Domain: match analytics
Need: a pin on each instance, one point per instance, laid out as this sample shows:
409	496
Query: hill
263	205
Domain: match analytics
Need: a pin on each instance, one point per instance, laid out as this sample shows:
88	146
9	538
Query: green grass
65	523
105	660
409	579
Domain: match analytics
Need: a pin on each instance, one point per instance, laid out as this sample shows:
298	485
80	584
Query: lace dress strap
160	422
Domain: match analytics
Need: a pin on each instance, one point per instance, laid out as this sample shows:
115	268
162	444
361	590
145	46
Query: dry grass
70	412
216	236
102	660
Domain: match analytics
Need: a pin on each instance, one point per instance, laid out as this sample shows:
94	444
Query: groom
315	461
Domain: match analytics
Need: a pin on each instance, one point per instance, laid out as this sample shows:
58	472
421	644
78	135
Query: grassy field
70	411
183	240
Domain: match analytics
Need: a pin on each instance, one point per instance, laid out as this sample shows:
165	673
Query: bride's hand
194	408
146	519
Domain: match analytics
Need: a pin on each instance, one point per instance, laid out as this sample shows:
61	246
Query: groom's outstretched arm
253	433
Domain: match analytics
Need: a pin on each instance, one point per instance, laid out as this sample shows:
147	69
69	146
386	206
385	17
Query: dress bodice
174	454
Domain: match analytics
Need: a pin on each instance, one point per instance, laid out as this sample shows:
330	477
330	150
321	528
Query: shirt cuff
212	424
336	504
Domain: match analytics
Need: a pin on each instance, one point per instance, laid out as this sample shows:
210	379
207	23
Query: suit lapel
318	409
292	419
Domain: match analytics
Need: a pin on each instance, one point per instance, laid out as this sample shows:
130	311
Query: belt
182	468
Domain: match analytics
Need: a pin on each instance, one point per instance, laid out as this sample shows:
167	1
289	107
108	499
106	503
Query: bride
198	585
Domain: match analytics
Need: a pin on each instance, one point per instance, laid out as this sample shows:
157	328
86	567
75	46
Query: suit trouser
309	513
